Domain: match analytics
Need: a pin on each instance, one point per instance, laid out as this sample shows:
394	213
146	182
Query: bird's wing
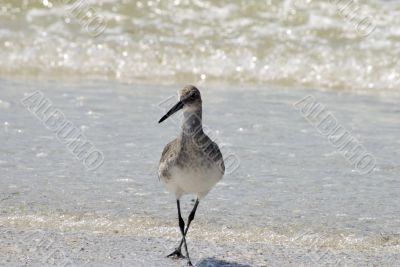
217	156
213	152
168	154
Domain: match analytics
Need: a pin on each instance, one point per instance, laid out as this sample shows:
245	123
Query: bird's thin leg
182	227
178	252
190	219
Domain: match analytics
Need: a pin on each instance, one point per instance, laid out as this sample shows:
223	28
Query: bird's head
189	99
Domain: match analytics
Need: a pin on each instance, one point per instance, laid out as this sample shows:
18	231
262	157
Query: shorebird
192	163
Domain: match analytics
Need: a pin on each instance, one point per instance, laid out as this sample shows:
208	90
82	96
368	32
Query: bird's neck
192	121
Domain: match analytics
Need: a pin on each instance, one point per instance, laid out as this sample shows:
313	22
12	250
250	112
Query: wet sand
294	200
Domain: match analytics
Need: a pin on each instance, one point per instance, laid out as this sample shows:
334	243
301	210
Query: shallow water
346	45
292	189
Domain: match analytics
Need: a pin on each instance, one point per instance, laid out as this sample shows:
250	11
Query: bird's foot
177	254
189	263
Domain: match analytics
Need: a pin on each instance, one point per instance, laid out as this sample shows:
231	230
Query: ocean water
345	45
292	195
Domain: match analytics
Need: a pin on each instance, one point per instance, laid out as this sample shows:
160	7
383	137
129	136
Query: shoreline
204	84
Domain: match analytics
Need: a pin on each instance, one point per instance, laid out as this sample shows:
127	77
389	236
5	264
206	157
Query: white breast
198	181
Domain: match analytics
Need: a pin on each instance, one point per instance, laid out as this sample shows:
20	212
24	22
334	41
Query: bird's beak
174	109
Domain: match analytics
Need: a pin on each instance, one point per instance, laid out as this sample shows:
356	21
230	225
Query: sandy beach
308	205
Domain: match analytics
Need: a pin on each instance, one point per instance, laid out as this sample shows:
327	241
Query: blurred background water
347	45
